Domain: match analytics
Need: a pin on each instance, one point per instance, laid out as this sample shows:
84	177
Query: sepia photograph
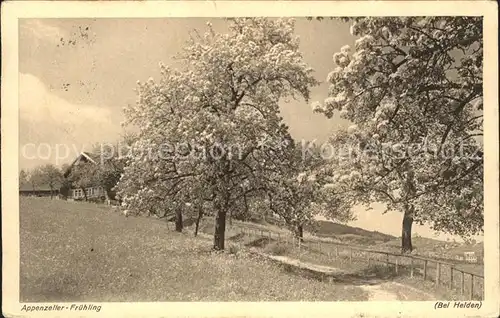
227	156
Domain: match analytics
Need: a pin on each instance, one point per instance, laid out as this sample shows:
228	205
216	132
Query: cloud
48	119
41	30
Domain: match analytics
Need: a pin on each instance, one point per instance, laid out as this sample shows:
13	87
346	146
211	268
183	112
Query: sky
76	75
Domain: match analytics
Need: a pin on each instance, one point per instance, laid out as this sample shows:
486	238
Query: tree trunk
178	220
221	205
231	218
84	193
300	233
220	230
198	219
406	246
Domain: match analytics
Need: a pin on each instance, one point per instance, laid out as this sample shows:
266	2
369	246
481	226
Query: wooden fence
440	273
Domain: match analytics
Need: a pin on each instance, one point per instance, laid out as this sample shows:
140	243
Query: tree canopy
216	122
412	88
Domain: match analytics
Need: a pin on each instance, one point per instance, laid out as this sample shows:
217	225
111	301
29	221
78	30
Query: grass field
86	252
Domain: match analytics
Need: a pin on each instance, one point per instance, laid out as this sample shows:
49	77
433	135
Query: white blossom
354	29
352	129
311	178
316	106
346	49
344	178
330	102
382	124
344	113
355	175
301	177
363	42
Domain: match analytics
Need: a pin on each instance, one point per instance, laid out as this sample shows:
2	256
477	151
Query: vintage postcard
250	159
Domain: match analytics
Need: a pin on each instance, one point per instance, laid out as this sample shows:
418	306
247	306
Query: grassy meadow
87	252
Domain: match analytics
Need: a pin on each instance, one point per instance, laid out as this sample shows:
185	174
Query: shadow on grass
370	275
237	237
260	242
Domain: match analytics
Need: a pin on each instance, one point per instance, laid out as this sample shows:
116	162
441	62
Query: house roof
87	156
95	158
43	187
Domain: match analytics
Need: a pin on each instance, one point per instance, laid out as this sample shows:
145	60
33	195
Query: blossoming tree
203	129
412	88
302	189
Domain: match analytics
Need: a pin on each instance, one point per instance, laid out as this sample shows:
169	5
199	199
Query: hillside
331	229
436	248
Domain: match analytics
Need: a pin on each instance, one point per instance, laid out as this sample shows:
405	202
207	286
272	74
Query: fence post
471	286
350	255
481	289
396	266
411	267
425	269
387	259
451	277
368	256
269	234
462	285
336	251
438	272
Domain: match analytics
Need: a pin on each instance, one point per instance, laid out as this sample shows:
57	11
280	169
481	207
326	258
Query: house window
77	193
90	192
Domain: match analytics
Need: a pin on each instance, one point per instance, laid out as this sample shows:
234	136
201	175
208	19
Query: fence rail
440	273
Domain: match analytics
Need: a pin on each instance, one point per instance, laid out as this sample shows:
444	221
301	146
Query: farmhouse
43	190
470	257
93	192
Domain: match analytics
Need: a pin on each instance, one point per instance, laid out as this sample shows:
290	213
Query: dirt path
295	262
378	290
379	293
389	291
